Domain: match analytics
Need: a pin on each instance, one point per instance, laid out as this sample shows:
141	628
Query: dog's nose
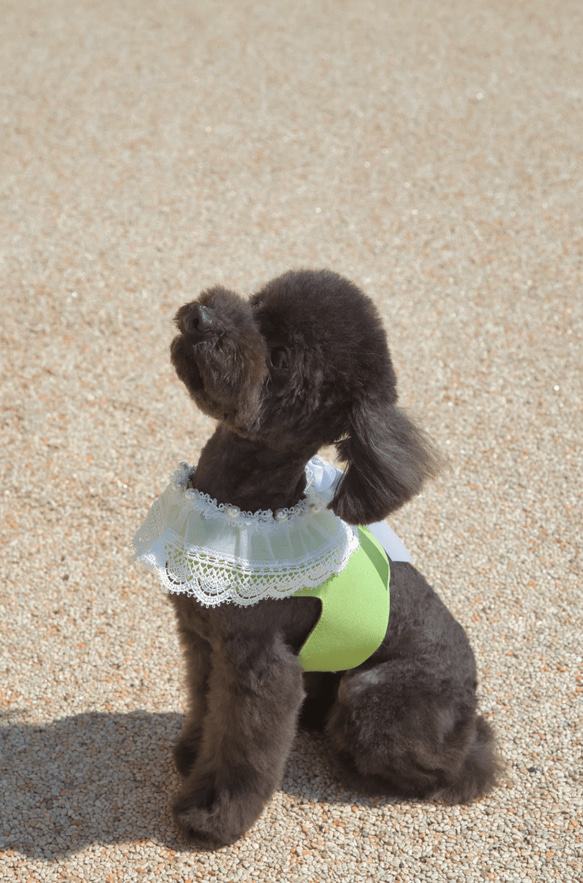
198	321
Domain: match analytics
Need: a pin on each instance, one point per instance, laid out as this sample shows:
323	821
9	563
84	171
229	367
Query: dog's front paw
212	818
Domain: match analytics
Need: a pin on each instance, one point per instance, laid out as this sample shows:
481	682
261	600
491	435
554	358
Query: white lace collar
216	553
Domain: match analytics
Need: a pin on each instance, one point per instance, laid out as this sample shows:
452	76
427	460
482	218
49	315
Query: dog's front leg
254	695
197	653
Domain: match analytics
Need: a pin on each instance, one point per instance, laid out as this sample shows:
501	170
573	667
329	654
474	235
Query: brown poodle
303	364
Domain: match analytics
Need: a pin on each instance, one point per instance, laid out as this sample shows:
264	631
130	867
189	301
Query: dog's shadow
101	778
91	778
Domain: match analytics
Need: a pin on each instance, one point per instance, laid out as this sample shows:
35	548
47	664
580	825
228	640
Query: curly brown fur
302	364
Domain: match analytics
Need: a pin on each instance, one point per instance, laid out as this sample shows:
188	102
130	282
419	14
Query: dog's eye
279	358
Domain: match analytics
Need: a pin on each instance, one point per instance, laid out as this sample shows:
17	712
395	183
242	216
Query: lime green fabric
355	611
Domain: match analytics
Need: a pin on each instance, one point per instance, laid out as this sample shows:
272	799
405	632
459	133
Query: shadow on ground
91	778
101	778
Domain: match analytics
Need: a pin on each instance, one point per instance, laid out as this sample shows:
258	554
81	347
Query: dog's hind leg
400	732
254	695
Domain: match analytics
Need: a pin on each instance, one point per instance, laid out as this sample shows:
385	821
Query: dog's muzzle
198	323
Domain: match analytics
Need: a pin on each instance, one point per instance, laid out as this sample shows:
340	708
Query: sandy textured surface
432	152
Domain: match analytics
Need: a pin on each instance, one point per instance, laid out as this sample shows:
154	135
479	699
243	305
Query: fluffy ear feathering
389	458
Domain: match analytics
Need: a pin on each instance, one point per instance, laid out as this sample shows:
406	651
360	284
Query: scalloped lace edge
213	579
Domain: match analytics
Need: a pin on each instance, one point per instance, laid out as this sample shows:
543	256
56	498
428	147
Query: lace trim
209	508
218	554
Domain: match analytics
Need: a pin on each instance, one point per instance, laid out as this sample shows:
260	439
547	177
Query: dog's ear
389	459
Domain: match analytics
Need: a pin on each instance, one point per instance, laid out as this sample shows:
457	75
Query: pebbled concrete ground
432	152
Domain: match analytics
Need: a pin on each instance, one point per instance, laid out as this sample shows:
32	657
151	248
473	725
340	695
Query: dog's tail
479	771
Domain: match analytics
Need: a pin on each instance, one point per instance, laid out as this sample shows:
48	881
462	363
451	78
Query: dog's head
302	364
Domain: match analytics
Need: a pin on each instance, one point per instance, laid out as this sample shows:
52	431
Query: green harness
355	611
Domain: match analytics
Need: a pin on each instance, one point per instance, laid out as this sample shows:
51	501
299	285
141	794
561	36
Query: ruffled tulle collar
217	554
